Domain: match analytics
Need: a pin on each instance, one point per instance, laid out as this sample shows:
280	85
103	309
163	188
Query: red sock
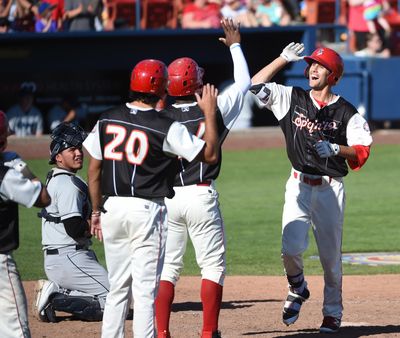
165	297
211	298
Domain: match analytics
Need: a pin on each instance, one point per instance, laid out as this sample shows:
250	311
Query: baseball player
194	210
133	164
324	135
77	283
17	186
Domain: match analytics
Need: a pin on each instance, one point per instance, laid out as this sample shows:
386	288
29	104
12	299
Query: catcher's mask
330	60
64	136
185	77
150	76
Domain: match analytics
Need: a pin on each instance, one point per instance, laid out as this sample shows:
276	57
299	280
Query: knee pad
85	308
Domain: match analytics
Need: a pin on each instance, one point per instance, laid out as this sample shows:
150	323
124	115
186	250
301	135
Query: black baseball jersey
9	232
134	163
328	123
304	123
193	118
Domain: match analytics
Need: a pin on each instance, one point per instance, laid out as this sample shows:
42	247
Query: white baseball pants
194	210
13	305
134	231
322	207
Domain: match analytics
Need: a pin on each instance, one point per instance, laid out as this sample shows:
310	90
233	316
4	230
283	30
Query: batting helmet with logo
330	60
64	136
150	76
185	77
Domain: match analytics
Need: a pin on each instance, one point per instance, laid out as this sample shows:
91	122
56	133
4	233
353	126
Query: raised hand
208	100
231	30
293	51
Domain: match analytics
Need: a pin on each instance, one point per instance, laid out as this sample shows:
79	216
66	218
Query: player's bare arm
43	199
232	32
292	52
94	183
208	104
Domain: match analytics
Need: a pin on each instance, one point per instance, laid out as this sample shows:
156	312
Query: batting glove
292	52
326	149
21	167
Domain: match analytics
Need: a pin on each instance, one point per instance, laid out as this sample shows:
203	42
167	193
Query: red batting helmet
185	77
330	60
150	76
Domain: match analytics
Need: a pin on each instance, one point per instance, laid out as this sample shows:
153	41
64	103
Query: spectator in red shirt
201	14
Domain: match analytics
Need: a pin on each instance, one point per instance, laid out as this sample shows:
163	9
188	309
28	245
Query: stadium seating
153	13
122	14
160	13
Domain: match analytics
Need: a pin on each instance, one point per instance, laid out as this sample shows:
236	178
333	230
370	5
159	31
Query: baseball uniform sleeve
92	143
274	97
358	132
17	188
182	143
230	101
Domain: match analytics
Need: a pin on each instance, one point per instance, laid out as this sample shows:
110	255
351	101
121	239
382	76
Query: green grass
251	187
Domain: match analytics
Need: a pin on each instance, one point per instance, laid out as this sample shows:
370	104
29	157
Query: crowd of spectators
91	15
49	15
363	16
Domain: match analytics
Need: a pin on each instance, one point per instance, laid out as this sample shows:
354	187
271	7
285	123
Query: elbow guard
362	153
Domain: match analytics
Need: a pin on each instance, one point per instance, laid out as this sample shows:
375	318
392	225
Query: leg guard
84	308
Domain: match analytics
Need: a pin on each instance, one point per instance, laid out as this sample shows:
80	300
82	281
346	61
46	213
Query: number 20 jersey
134	163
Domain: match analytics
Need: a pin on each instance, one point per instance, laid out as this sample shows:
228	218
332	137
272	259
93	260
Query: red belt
307	180
204	184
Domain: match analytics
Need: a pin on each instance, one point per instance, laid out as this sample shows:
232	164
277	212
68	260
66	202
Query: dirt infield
252	307
253	138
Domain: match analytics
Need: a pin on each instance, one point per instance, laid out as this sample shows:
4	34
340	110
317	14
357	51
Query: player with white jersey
17	186
77	283
133	165
324	135
194	210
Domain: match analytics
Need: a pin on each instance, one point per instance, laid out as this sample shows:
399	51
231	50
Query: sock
297	282
165	297
211	298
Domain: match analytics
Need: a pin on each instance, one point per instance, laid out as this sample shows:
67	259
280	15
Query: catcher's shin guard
84	308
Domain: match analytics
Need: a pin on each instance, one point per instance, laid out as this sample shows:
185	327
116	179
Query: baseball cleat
41	307
291	309
330	325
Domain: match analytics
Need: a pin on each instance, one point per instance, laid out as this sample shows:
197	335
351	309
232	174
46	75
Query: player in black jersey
324	135
194	210
133	165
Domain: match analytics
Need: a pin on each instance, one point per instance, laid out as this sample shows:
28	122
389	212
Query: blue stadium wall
95	67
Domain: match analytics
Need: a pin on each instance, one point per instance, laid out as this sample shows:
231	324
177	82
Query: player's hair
146	98
64	136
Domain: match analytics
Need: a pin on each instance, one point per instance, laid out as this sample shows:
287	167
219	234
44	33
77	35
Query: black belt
55	251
